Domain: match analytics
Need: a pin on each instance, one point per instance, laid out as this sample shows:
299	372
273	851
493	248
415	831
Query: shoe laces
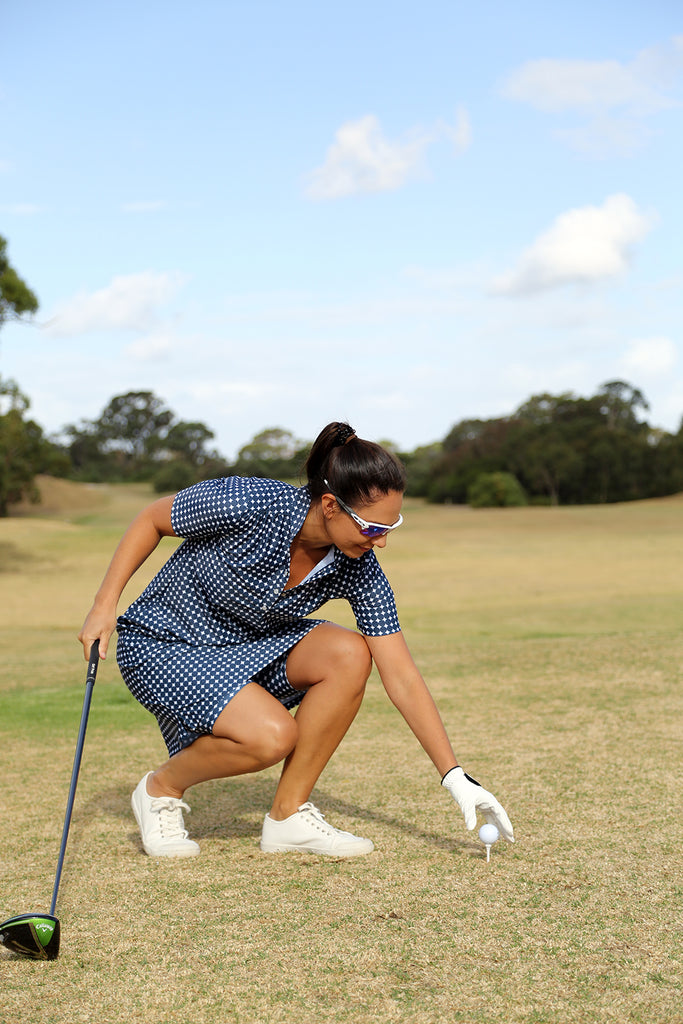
317	818
170	811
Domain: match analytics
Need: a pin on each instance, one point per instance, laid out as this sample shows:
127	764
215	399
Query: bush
174	476
496	490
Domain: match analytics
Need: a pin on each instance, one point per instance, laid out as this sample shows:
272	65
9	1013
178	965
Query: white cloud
363	160
615	98
460	133
583	245
650	357
130	302
556	85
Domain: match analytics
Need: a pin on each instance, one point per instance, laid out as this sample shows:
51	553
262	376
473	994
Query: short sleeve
212	507
372	600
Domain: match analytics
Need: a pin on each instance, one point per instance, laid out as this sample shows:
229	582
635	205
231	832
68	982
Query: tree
22	448
620	402
135	437
124	442
496	490
16	298
136	423
466	432
173	477
549	463
472	447
188	441
563	448
187	458
420	466
272	453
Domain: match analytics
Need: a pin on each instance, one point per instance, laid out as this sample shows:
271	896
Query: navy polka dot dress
217	615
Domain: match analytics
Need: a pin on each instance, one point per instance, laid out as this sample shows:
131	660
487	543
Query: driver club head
33	935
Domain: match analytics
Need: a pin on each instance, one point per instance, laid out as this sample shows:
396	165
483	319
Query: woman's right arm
137	544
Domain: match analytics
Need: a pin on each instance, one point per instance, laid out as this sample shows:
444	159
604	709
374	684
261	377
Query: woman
218	647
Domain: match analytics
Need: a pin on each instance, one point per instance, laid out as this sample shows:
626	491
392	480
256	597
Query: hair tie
344	435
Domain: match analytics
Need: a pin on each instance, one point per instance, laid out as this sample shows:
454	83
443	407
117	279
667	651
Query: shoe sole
178	852
292	848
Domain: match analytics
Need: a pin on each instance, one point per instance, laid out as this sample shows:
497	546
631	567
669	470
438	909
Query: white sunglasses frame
364	523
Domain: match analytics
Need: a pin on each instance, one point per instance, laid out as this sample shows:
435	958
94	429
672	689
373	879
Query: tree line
554	449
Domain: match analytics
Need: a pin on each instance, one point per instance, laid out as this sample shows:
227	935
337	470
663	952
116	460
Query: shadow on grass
233	808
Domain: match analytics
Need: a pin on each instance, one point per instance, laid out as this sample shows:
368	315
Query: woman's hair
355	470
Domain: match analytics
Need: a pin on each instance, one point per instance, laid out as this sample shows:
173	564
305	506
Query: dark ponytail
356	470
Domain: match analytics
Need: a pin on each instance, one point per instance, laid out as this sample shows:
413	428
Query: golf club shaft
89	684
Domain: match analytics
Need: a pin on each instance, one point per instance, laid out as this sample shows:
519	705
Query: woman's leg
253	732
332	664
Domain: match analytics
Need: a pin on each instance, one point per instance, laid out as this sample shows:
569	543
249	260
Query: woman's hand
471	797
99	625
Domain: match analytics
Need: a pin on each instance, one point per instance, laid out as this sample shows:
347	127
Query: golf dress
217	615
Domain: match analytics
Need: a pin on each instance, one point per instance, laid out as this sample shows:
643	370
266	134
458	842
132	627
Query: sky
402	215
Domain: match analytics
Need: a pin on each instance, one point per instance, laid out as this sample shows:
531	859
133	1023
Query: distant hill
70	500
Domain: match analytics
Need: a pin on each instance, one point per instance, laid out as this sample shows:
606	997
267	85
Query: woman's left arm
408	692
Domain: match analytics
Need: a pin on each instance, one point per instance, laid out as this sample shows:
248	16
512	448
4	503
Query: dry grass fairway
552	641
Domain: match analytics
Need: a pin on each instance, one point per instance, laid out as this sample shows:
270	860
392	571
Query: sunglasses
367	529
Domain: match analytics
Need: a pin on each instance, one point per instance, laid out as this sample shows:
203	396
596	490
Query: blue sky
399	214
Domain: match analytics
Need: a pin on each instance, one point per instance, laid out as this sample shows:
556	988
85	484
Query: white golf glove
472	797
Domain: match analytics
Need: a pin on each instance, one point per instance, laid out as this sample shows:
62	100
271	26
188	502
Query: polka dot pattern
217	615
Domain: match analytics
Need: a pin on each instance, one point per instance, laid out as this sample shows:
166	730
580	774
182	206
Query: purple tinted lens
374	531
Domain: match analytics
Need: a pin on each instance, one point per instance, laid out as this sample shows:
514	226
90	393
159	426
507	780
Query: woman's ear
329	506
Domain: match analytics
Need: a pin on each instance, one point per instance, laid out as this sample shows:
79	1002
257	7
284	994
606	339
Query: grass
551	640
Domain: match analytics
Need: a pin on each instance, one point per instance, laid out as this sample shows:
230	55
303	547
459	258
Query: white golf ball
488	834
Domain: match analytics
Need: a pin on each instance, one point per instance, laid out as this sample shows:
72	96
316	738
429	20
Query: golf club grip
93	662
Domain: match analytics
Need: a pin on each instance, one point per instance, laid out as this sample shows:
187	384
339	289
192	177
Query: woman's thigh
252	714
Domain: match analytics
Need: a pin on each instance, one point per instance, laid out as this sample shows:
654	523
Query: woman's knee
360	654
275	738
350	658
282	736
330	652
258	723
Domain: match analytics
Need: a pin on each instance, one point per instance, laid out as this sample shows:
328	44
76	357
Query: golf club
37	935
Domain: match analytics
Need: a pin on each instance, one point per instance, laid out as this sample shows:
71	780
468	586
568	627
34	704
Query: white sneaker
161	823
307	831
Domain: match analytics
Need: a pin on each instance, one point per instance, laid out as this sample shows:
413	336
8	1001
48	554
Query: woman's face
346	534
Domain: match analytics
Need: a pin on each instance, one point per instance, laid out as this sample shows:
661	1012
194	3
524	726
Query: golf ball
488	834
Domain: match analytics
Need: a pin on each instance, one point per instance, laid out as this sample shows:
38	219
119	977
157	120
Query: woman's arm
137	544
408	692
